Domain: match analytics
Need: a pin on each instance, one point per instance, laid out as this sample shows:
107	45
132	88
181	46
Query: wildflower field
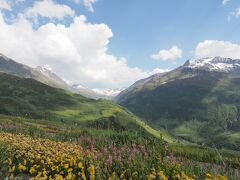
36	158
27	155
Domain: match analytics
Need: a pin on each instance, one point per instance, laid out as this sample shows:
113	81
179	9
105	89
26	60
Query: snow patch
214	64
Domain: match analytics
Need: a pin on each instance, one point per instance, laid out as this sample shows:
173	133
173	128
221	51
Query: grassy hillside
193	108
31	99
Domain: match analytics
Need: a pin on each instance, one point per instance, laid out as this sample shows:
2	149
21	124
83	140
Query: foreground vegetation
60	150
36	158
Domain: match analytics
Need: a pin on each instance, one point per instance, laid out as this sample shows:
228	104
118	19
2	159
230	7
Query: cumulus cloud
4	5
168	54
78	53
49	9
209	48
224	2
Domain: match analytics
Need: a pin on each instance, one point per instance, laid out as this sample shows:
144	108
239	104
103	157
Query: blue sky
142	28
119	41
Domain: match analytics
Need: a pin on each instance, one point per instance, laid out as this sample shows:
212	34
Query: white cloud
49	9
89	4
210	48
224	2
234	14
171	54
78	52
237	13
4	5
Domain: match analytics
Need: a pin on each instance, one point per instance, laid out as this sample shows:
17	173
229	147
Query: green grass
189	131
206	154
3	151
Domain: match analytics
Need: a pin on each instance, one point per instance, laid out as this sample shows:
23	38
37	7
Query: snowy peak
107	93
218	64
4	57
50	75
45	71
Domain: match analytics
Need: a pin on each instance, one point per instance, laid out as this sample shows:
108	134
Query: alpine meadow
119	90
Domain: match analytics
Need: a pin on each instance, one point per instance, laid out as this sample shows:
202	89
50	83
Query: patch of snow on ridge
199	62
214	64
4	57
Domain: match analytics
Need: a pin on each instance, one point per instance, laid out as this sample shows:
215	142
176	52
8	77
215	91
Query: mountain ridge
31	99
46	76
191	103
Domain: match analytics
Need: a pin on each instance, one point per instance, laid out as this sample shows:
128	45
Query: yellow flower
80	165
92	172
66	166
59	177
220	177
70	170
70	176
208	175
32	170
21	167
151	176
162	175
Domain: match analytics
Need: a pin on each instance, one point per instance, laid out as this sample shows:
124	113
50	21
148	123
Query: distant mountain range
196	101
96	93
46	76
108	91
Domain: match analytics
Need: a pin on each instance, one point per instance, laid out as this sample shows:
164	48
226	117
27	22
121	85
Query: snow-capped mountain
218	64
4	57
215	66
52	76
46	76
85	91
9	66
96	93
108	91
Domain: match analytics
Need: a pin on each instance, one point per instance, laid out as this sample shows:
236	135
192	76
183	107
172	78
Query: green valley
190	105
